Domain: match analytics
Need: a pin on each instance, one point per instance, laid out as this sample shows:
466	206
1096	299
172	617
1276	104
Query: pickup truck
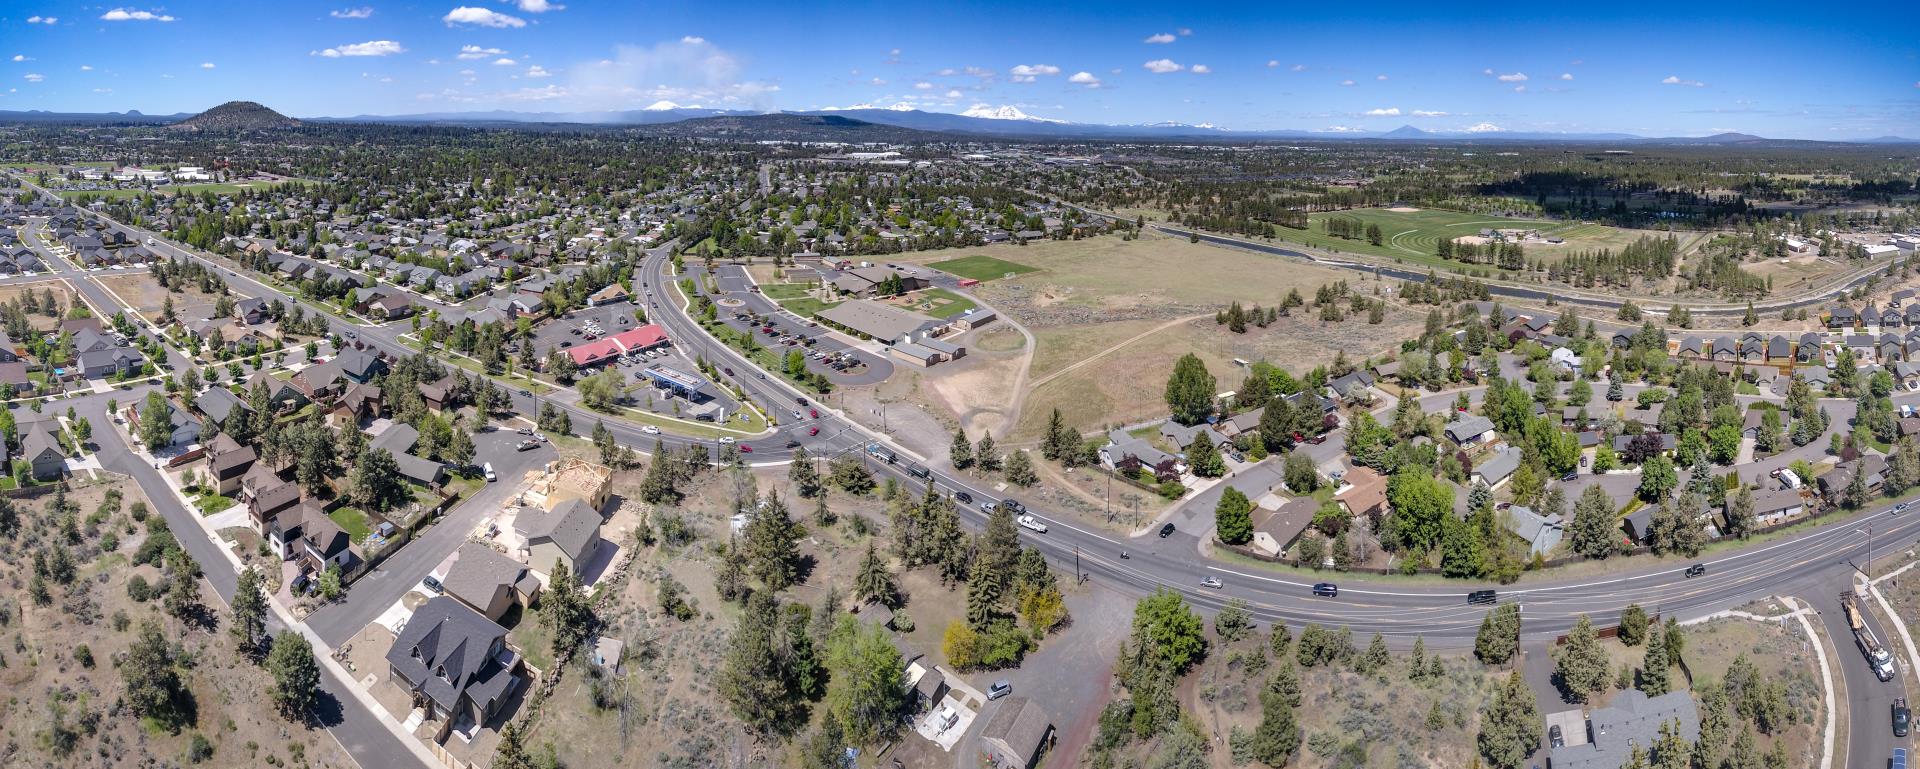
1032	524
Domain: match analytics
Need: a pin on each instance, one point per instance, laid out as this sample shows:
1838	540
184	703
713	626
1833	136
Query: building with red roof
603	350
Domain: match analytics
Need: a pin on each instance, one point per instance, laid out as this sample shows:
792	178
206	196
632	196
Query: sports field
1413	235
983	268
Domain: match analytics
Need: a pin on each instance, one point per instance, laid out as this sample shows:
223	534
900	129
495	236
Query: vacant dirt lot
145	295
60	665
42	320
979	391
1123	381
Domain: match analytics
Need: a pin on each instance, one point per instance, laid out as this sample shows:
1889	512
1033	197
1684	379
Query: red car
813	413
745	449
813	431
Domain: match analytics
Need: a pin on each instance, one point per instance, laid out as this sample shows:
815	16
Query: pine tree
512	752
1375	658
1277	737
805	475
1593	524
961	455
755	677
874	582
249	624
1582	665
1508	724
771	550
1499	635
1654	670
1233	517
1020	469
296	676
1417	660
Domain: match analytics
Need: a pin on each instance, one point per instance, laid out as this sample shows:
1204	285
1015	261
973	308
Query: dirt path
1107	351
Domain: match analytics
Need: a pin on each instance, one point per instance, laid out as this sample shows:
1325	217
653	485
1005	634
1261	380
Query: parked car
434	585
813	431
813	413
527	445
1000	688
1902	717
525	431
1326	590
1555	738
488	469
1032	524
1167	530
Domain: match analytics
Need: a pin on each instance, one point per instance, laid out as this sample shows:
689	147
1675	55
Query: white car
1032	524
650	430
726	440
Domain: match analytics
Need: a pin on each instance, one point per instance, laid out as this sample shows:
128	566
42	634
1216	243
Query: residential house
1017	733
1279	521
227	463
1632	722
1470	430
1841	317
1774	506
219	403
569	534
1496	469
185	426
1809	347
456	663
359	365
1124	451
487	581
1363	491
1542	533
40	448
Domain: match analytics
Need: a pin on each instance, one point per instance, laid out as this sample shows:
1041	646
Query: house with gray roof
219	403
1496	469
569	533
456	662
1634	719
487	581
1541	532
1470	430
1017	733
1123	450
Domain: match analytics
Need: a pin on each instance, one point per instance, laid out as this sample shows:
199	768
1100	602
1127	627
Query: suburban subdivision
906	437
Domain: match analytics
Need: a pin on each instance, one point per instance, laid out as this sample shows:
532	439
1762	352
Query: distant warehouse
911	337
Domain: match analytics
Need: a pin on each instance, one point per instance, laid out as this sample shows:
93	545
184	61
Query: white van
491	477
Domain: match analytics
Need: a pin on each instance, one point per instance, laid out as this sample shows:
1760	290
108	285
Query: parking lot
871	367
573	330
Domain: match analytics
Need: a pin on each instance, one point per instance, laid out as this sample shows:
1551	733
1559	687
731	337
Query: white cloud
33	77
1298	68
1084	78
484	17
923	86
540	6
1383	112
954	94
1675	80
1427	113
1346	82
86	68
538	71
674	70
1488	72
206	65
103	90
1273	63
1566	76
474	52
1380	77
693	40
22	57
369	48
1026	73
1519	89
948	72
122	14
1184	32
1159	39
877	82
352	13
1481	128
43	20
1200	69
1516	77
1162	66
504	62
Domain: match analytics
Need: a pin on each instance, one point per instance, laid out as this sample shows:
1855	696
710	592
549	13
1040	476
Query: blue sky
1667	69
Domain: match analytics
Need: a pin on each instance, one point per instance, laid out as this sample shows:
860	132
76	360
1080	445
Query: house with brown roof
228	462
1016	734
486	580
1278	521
1363	492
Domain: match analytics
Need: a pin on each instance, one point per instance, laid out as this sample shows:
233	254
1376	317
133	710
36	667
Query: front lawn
806	306
213	503
780	291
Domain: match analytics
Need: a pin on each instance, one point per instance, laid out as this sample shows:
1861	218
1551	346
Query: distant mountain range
1007	121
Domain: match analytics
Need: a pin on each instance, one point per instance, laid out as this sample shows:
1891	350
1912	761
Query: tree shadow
327	711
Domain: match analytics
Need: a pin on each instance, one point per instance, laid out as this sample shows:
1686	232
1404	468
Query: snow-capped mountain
663	106
1005	112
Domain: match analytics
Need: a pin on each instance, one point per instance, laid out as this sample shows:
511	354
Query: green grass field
806	306
1413	236
109	194
981	267
939	303
353	522
783	291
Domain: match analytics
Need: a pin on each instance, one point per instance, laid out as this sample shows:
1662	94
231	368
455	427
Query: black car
1014	505
1696	570
1555	738
1326	590
1482	596
1166	531
792	444
1902	717
963	497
